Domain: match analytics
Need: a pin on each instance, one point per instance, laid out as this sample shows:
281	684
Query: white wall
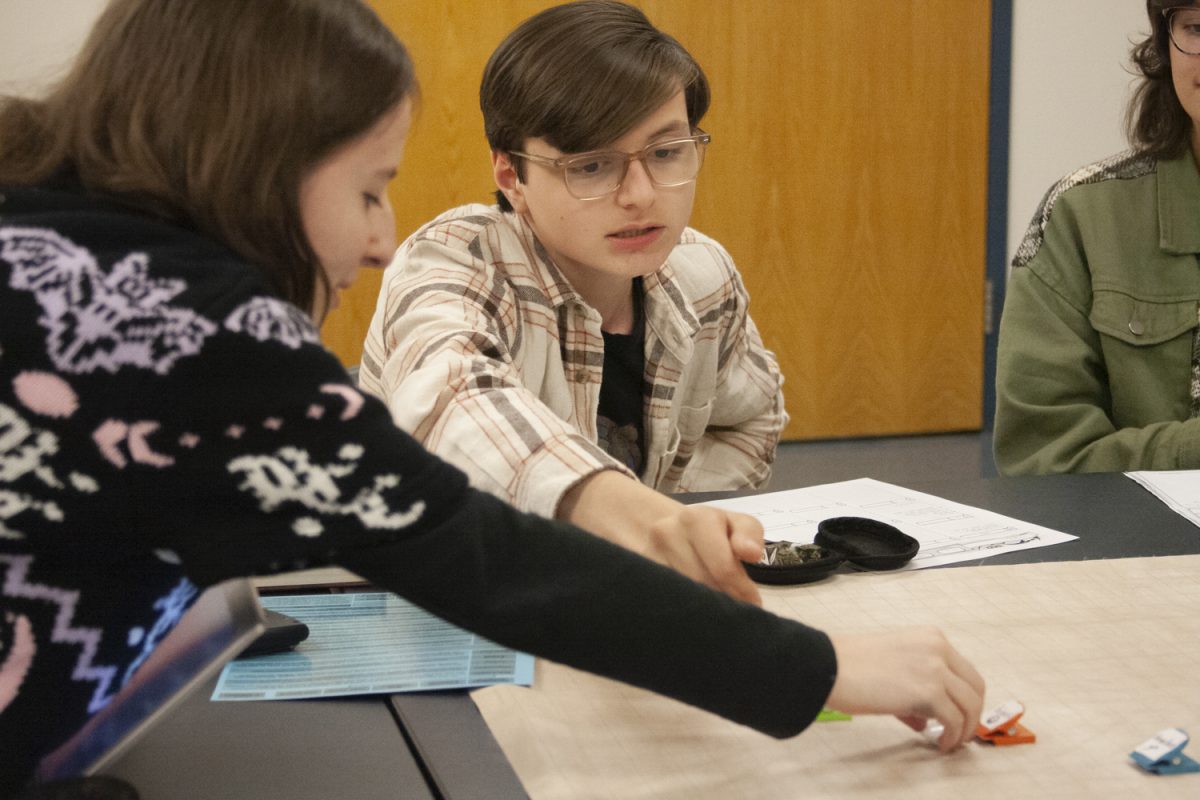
38	39
1070	84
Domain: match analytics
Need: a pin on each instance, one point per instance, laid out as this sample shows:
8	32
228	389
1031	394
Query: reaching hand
704	543
913	673
709	545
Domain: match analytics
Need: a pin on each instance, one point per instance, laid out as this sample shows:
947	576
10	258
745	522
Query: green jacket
1099	355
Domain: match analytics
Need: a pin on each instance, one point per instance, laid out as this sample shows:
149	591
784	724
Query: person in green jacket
1098	367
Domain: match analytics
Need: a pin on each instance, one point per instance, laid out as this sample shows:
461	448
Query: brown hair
582	74
1156	122
211	113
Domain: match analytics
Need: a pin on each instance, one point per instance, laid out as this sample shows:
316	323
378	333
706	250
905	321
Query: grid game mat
1103	654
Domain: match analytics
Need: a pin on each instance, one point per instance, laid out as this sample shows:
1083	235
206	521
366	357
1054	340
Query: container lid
867	543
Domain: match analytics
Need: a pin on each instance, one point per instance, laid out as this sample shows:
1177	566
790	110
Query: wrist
614	506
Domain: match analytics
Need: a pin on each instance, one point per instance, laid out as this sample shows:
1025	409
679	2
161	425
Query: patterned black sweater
166	422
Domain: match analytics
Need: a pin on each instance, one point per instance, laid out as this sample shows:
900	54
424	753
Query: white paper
949	532
1179	489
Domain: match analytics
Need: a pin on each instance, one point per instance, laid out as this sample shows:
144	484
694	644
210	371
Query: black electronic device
218	626
282	634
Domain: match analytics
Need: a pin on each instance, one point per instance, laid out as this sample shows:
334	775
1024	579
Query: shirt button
1136	327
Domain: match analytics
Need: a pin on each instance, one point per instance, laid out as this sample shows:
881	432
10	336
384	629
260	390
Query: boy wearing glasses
577	346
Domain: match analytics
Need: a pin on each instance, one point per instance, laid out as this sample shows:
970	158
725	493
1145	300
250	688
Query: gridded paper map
949	532
1104	654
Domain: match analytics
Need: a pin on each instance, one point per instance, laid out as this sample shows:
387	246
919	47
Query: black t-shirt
620	416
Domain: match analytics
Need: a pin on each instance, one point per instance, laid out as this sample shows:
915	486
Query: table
436	745
296	749
316	749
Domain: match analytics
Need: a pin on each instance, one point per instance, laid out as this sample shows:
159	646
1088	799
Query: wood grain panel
847	177
447	161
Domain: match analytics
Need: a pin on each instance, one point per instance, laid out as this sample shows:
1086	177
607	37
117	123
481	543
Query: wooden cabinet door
847	177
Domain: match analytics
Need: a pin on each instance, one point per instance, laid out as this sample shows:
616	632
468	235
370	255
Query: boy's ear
507	181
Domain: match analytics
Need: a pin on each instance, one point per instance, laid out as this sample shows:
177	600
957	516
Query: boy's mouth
635	233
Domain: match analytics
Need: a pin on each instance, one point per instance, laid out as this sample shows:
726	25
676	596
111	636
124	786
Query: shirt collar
668	312
554	284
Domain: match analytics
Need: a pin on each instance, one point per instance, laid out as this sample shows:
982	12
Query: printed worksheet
1179	489
949	532
369	643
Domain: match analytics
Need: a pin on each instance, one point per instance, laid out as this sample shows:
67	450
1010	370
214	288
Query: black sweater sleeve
317	473
550	589
168	423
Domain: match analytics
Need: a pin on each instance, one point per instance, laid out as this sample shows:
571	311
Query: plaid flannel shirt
484	352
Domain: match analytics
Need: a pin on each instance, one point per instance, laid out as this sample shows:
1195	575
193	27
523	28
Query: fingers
961	704
914	674
714	553
956	725
706	544
965	688
966	670
745	536
723	540
956	695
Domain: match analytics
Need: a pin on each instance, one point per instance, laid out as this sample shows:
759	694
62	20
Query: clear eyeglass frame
564	164
1191	41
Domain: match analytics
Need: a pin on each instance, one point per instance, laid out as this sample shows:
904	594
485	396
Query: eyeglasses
589	176
1183	26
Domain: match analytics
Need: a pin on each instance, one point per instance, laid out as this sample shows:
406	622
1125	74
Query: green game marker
829	715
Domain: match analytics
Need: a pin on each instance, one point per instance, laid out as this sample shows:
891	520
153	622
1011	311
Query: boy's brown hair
580	75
